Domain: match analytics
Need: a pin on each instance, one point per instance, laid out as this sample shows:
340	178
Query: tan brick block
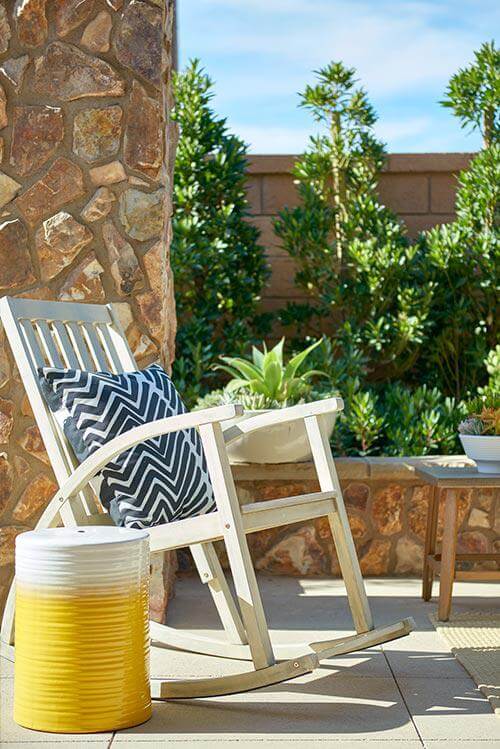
405	192
268	239
281	282
270	164
253	190
278	191
427	162
416	224
443	192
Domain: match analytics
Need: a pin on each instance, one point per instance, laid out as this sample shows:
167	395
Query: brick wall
420	188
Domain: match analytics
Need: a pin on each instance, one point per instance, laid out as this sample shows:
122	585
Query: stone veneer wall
419	187
86	158
387	508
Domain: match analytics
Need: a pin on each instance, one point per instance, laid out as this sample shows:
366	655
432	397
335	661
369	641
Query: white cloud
396	46
263	139
400	130
277	139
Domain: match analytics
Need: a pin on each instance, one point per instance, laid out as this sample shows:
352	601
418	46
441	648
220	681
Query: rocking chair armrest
93	464
282	416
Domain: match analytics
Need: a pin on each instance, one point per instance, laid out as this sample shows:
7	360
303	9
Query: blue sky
261	53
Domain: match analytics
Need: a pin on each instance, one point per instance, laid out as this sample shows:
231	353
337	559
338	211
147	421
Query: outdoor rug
474	640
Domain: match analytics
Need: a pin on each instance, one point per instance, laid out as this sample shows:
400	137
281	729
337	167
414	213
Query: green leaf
278	350
258	357
246	368
294	363
229	370
272	377
270	356
236	384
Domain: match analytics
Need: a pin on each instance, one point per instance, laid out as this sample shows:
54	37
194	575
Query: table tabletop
459	476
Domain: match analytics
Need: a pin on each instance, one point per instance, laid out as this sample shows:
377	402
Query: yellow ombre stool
82	629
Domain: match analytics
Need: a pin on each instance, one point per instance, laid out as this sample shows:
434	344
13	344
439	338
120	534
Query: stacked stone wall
86	155
387	509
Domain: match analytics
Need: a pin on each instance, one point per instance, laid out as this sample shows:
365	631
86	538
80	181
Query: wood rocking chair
89	337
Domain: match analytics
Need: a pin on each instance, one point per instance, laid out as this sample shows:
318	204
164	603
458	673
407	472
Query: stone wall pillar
86	157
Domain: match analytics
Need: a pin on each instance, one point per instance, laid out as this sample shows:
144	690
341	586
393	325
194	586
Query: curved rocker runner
89	337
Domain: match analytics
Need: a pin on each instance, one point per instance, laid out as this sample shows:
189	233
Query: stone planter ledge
348	469
387	508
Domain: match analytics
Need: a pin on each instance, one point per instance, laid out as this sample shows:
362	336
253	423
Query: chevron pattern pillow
157	481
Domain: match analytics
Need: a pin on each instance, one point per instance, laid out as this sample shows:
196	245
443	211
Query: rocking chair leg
7	636
181	689
245	582
50	518
211	573
339	524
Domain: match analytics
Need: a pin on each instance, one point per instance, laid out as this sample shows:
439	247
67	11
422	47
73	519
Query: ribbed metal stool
82	629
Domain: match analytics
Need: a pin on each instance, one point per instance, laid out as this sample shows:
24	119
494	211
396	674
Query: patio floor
409	693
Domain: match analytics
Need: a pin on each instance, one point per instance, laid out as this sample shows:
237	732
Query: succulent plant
266	381
483	415
471	426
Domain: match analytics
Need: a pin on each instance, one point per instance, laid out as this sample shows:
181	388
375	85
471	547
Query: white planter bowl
484	451
280	443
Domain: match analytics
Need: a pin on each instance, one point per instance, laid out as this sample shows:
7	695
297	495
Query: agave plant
266	381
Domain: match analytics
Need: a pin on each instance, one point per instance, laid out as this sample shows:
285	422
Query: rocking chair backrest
61	334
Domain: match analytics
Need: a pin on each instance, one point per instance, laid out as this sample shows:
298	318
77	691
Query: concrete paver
408	693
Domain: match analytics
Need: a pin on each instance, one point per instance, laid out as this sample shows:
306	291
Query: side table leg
430	543
448	553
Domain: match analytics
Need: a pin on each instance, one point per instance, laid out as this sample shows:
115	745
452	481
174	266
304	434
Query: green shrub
492	364
459	261
474	92
385	418
218	265
352	255
414	323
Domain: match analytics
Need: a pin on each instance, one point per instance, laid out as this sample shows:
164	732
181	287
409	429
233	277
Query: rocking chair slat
247	591
181	689
109	348
35	309
332	648
33	345
339	524
119	340
48	344
67	350
210	572
81	347
95	347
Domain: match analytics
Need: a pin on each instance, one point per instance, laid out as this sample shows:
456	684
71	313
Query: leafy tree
218	265
474	92
460	261
352	254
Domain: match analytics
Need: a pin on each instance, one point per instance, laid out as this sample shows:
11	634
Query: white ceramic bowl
483	450
280	443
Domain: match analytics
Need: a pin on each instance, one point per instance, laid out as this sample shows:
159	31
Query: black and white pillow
157	481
